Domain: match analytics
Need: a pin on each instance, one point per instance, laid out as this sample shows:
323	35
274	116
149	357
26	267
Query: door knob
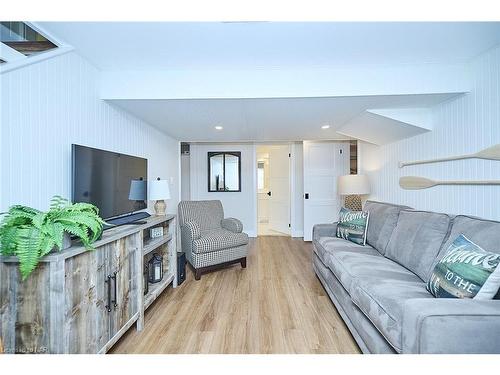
269	193
306	196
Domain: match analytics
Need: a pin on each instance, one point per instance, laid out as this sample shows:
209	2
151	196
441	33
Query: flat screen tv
103	178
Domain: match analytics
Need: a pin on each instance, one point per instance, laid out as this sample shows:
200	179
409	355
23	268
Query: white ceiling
243	45
193	120
202	47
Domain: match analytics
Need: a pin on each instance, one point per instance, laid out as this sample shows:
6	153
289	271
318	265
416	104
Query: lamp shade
353	184
159	190
137	190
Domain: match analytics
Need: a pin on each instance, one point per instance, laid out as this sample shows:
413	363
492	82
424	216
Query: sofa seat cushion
417	239
381	299
218	239
383	219
349	261
326	245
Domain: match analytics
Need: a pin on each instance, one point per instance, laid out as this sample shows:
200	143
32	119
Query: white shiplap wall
464	125
44	108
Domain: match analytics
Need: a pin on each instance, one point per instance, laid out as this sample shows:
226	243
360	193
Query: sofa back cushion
207	214
383	219
417	240
484	233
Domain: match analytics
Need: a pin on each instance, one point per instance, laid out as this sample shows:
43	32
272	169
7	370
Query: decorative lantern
155	268
145	278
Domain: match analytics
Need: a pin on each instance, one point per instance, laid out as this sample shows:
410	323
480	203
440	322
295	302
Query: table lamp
159	191
352	186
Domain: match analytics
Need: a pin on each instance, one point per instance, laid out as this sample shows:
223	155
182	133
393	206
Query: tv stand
79	301
128	219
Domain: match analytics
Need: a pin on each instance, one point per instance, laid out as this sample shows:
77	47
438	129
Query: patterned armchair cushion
232	224
207	214
218	239
193	229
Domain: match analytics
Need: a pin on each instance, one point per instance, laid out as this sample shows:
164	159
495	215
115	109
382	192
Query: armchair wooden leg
199	271
197	274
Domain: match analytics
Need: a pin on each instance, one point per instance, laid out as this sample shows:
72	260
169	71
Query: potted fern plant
31	234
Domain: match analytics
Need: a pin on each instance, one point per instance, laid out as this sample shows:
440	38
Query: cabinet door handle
108	281
115	305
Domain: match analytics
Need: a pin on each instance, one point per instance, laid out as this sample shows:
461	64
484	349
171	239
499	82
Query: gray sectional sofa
380	289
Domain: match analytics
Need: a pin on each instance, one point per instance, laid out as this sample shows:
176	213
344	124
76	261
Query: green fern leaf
46	245
83	207
55	232
27	250
31	234
39	219
84	220
76	230
57	202
8	238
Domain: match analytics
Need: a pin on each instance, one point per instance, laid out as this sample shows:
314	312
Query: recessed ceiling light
218	127
325	127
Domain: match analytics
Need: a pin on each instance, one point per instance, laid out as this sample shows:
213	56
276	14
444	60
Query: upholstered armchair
209	240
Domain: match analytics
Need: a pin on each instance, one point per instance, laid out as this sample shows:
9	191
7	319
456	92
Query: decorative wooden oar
417	183
490	153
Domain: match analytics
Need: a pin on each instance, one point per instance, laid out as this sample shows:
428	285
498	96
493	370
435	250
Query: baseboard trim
298	233
251	233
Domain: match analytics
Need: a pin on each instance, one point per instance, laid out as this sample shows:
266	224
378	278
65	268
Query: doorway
273	190
324	162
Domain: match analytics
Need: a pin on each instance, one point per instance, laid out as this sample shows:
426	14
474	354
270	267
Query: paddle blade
415	183
490	153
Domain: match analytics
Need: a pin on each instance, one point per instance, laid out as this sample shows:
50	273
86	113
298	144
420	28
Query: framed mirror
224	171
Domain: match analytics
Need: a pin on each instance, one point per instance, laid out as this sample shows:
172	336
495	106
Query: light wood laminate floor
275	305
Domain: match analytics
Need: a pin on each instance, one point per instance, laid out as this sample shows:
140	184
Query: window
24	39
224	171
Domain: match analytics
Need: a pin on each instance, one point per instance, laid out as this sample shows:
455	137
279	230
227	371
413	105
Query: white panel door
323	163
279	188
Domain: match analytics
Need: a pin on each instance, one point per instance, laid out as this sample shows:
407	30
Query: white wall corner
254	191
383	126
420	117
20	63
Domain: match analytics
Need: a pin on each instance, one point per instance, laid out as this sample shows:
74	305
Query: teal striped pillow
352	225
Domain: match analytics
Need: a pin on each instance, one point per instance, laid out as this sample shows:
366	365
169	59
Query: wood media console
79	301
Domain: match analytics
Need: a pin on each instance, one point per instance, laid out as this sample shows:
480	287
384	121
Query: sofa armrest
324	230
232	224
449	325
